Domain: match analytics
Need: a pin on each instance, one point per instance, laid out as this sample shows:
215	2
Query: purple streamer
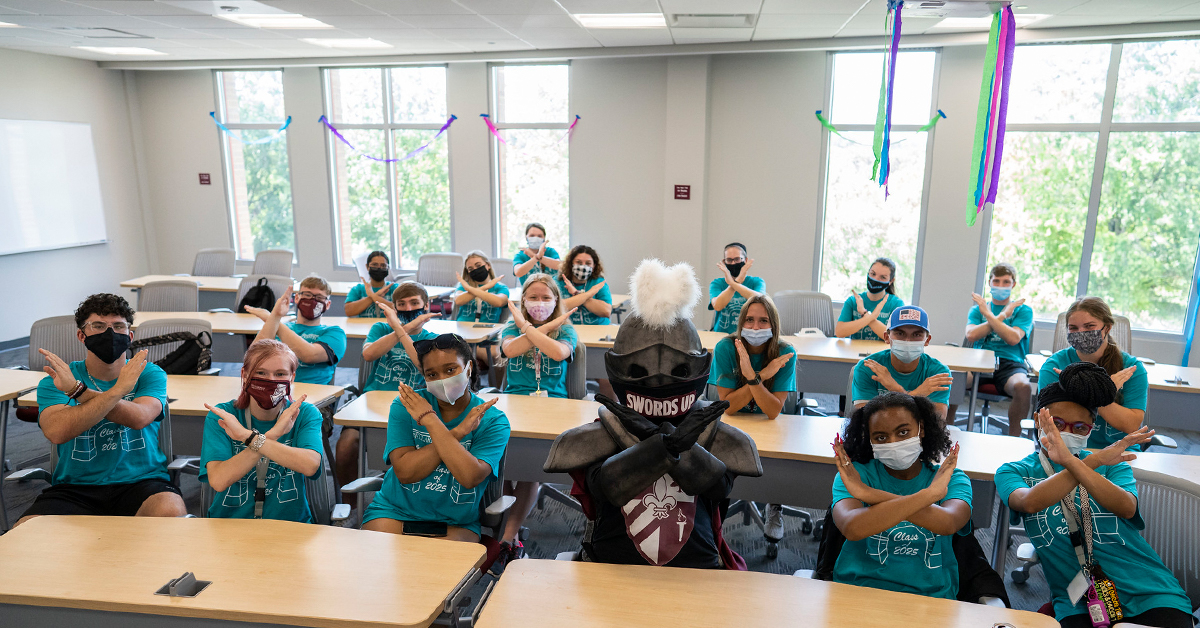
885	156
410	155
1010	44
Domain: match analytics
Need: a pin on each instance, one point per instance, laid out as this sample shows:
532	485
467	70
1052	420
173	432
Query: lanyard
537	367
260	471
1074	518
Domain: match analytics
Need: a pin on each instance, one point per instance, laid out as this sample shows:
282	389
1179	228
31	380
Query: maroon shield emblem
659	520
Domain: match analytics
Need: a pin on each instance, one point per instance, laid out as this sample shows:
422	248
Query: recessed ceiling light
120	50
621	20
7	25
273	20
984	23
365	42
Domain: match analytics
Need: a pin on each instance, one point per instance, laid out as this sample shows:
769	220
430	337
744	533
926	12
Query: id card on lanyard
537	374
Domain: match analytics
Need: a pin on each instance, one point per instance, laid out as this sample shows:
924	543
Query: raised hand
518	318
1116	452
1120	377
571	289
64	379
130	373
282	304
491	283
882	375
941	479
417	323
393	320
879	308
286	419
542	251
596	288
858	301
471	421
262	314
416	405
725	271
638	425
774	365
1052	442
979	300
744	364
233	427
1010	308
741	278
692	425
848	472
558	322
932	384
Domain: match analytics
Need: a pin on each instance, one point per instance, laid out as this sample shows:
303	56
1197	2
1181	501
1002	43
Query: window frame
494	146
823	172
227	159
389	128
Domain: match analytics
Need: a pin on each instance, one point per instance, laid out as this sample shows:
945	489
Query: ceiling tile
631	36
710	35
1064	21
351	22
193	21
711	6
51	7
492	45
513	7
243	33
160	32
610	6
134	7
393	35
551	44
1191	10
1124	8
445	21
840	7
532	21
801	20
471	33
552	33
415	7
318	8
762	34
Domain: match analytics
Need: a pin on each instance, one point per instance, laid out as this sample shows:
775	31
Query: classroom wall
50	283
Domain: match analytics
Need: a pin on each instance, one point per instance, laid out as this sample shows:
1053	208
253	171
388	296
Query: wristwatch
250	438
756	381
259	440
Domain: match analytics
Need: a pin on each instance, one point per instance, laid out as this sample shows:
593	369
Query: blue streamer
1189	325
270	138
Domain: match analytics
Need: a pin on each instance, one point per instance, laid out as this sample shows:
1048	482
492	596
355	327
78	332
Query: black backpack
259	295
189	358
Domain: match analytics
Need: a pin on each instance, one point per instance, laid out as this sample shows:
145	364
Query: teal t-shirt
1022	318
286	498
108	453
479	311
521	257
330	335
724	371
1142	581
866	389
1132	395
850	313
521	378
359	291
439	497
905	557
584	316
726	319
395	366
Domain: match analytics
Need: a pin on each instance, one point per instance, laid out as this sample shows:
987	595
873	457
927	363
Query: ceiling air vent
712	20
92	32
952	8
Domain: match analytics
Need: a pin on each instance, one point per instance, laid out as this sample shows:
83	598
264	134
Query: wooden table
357	328
586	595
13	384
206	284
105	570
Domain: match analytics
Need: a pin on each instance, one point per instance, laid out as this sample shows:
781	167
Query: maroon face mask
311	309
269	392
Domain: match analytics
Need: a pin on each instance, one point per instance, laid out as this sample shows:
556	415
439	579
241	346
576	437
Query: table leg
1000	546
362	466
971	404
3	441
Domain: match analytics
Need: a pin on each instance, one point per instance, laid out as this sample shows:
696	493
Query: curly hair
935	440
569	261
103	304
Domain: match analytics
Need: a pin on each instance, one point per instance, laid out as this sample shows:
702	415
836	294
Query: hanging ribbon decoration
1189	321
492	127
832	129
262	140
883	115
992	115
410	155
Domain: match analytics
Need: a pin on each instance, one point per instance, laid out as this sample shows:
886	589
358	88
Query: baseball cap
908	315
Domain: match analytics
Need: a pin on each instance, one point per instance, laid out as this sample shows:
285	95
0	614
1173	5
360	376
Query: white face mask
908	350
450	389
535	242
900	455
1074	442
757	337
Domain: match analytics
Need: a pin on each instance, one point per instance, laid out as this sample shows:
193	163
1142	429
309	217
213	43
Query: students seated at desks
1064	488
445	444
319	347
728	293
583	279
536	257
1089	329
904	366
754	371
389	344
898	509
102	415
1002	325
863	315
482	297
362	299
262	442
537	344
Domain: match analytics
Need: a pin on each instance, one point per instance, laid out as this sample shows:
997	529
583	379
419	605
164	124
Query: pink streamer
492	127
993	117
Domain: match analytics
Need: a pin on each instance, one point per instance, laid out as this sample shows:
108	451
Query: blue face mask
1001	294
757	337
908	350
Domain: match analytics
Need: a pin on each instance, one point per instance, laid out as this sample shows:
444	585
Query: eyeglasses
377	266
735	260
443	342
120	327
1079	429
313	295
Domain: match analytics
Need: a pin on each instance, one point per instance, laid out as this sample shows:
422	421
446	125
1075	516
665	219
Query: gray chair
273	262
319	491
214	263
504	266
438	269
174	295
577	373
278	284
1122	333
799	309
58	335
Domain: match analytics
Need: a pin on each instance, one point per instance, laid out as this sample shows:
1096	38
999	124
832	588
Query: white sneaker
773	526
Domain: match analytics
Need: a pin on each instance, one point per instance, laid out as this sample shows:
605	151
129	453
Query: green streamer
880	112
982	113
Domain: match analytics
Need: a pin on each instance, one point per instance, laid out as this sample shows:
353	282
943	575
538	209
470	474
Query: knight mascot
654	472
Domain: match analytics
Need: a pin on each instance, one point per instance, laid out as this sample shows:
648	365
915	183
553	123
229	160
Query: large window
860	224
397	206
530	108
1099	194
257	179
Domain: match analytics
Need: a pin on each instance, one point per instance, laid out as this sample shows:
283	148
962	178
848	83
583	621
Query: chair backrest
437	269
493	491
214	263
504	266
273	262
577	373
174	295
364	373
1122	333
1171	507
56	334
278	284
849	395
164	326
803	308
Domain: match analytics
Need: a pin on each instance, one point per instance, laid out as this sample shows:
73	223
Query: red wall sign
683	192
205	178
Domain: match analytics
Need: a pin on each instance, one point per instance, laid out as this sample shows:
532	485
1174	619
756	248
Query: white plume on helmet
663	295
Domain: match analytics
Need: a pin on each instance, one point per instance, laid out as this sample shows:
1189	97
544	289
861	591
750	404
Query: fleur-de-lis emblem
659	502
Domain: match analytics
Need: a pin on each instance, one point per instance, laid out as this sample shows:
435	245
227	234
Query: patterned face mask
1087	342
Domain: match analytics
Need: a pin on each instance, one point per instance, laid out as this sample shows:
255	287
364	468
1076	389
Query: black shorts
1004	370
1162	617
112	500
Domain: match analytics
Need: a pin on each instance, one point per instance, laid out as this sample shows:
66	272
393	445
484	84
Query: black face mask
735	269
377	274
108	346
409	316
874	285
478	275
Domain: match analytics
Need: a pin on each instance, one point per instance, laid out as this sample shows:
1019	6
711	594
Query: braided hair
1082	383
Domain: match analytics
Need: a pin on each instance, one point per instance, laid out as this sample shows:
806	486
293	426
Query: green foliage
269	193
422	196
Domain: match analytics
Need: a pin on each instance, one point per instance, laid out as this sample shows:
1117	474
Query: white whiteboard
49	187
